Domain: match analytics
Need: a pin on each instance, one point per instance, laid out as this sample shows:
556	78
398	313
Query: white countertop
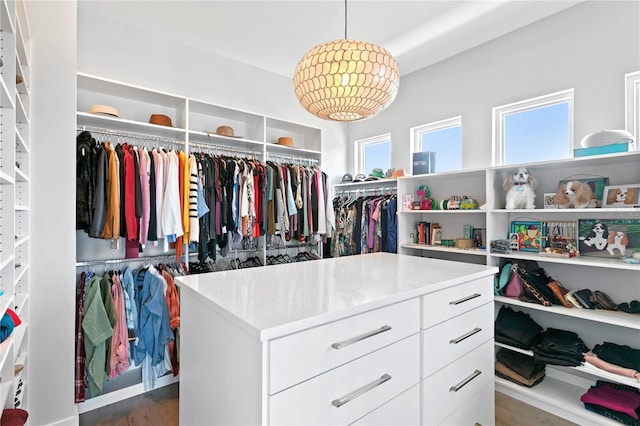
273	301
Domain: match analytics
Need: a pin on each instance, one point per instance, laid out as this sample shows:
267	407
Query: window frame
499	113
360	146
632	106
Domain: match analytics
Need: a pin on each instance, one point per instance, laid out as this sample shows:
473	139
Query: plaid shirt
80	376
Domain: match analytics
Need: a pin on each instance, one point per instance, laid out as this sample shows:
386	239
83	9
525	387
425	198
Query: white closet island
371	339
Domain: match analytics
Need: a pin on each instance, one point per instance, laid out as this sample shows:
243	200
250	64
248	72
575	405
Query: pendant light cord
345	19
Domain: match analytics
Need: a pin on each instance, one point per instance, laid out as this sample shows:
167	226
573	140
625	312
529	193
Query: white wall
52	289
589	47
122	52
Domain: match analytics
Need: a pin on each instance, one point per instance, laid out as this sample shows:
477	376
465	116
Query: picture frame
529	234
611	238
436	236
597	184
621	196
560	237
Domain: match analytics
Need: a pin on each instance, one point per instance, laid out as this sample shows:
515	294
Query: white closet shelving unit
560	391
194	124
15	124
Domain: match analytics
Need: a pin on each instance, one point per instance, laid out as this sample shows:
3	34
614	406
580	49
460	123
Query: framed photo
597	184
529	235
550	200
621	195
436	236
608	237
560	237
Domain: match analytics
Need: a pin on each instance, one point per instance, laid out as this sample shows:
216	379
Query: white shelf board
465	174
617	318
290	150
22	207
5	260
554	396
21	113
474	252
7	101
5	349
476	211
592	261
569	211
21	176
582	162
20	331
119	395
21	143
204	138
97	84
116	124
21	240
592	371
20	272
366	184
21	302
6	179
21	49
7	23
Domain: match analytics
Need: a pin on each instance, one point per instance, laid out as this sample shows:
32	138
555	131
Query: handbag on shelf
514	287
559	291
531	292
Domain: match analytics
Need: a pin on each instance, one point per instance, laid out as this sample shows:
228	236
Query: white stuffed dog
520	186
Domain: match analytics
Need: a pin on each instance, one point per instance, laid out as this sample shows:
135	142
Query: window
442	137
538	129
373	153
632	105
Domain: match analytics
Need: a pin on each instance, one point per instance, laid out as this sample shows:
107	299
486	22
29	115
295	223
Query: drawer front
448	303
300	356
453	386
478	411
347	393
403	410
446	342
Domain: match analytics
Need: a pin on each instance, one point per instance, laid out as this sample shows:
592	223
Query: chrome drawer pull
465	336
366	388
465	299
340	345
460	385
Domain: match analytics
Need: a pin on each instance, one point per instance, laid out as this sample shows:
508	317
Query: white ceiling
274	35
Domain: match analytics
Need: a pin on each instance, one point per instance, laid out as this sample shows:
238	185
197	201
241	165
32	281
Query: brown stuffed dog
575	194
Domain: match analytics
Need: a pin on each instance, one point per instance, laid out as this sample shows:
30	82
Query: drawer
478	411
455	385
403	410
362	385
300	356
448	303
444	343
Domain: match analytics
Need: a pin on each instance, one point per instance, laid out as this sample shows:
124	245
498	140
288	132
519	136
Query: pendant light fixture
346	80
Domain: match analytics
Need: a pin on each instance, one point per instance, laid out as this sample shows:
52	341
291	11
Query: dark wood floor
160	408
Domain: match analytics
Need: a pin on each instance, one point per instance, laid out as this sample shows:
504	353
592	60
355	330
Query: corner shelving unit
560	391
15	125
194	125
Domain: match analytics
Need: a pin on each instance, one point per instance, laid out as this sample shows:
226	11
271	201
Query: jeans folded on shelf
561	342
522	364
622	355
517	326
555	359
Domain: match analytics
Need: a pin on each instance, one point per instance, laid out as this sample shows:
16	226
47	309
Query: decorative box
600	150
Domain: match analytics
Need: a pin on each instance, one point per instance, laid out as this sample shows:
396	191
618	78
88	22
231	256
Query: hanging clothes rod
365	191
171	257
292	158
223	148
130	135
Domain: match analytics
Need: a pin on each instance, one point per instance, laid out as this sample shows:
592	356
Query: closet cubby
15	159
560	390
194	130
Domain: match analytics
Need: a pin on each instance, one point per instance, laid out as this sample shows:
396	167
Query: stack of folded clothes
615	401
620	355
519	368
560	347
516	328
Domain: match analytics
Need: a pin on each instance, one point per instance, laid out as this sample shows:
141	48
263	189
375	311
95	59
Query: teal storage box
599	150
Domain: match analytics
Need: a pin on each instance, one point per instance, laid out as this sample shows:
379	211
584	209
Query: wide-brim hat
13	417
398	173
376	173
104	110
285	140
160	120
226	131
606	137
